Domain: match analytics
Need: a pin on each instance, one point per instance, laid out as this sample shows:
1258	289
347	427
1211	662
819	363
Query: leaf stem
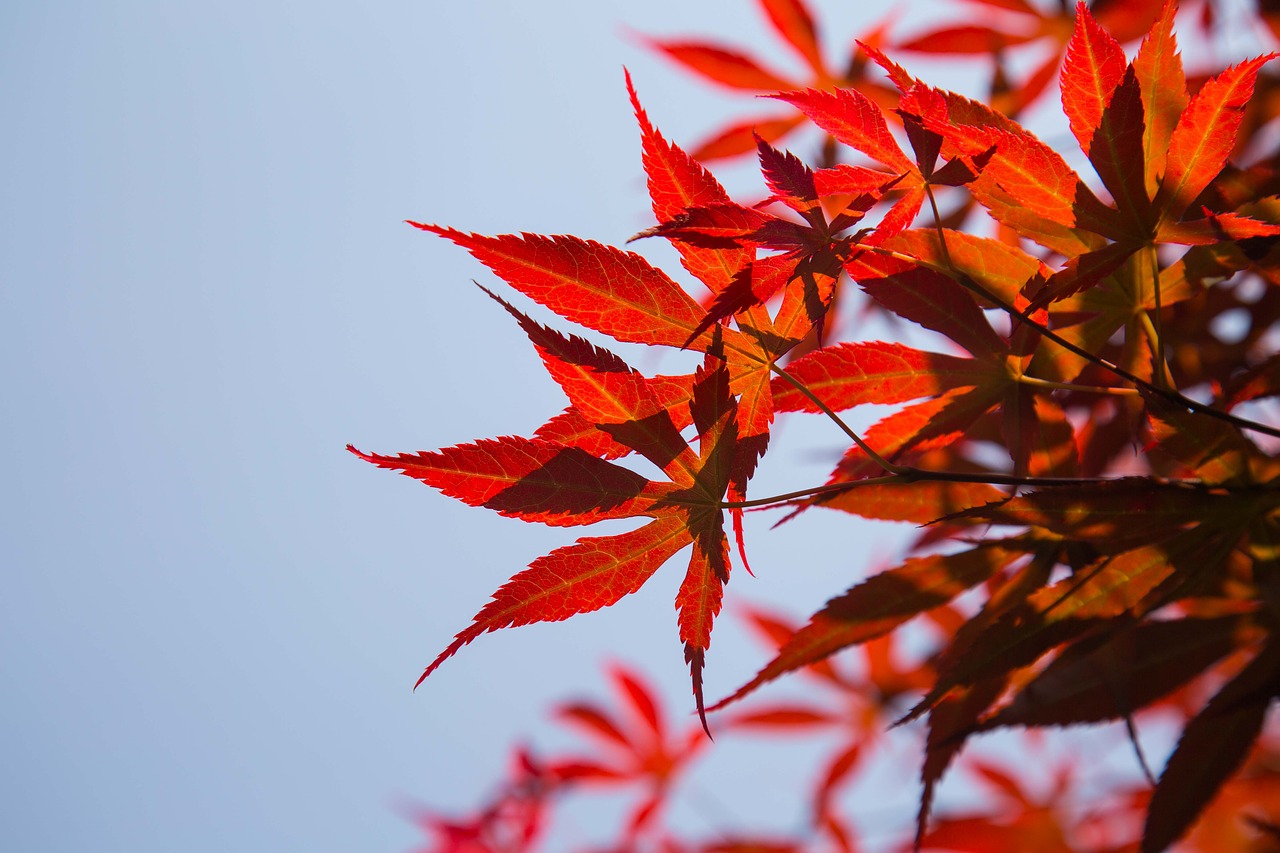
817	401
937	226
915	475
1084	389
1157	328
1160	370
995	479
807	493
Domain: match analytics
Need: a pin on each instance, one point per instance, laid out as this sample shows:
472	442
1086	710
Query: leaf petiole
1037	382
817	401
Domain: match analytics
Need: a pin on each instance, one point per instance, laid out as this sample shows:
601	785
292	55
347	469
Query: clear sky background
212	614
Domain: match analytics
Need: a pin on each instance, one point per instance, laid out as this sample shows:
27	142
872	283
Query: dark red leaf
1212	746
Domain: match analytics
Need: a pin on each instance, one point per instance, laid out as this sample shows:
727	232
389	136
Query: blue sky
213	614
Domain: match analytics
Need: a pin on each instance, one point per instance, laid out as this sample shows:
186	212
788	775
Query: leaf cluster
1084	449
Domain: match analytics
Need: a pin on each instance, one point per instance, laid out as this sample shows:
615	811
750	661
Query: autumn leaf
1211	747
537	480
1110	676
597	286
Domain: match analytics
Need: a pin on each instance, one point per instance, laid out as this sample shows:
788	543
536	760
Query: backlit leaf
1158	67
850	374
600	287
1206	133
592	573
1092	70
530	479
849	116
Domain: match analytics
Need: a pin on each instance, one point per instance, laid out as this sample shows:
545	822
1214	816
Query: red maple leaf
540	480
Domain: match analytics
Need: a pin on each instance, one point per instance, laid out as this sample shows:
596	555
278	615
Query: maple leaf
538	480
614	292
1212	746
719	243
811	253
854	120
511	822
1027	186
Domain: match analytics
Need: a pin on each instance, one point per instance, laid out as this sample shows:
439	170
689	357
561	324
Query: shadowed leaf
879	604
1212	746
1108	677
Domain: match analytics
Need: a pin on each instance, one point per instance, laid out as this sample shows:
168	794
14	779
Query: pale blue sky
212	614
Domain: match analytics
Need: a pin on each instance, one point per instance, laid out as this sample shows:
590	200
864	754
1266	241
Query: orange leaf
850	374
1205	135
1093	68
597	286
1158	67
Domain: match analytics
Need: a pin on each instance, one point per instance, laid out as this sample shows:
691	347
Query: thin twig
1084	389
826	410
1160	369
807	493
1166	394
1157	329
916	475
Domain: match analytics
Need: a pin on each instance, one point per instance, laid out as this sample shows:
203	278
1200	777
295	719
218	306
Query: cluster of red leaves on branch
1115	339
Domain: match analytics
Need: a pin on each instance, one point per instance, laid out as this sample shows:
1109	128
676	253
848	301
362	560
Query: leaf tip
441	230
696	657
463	637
